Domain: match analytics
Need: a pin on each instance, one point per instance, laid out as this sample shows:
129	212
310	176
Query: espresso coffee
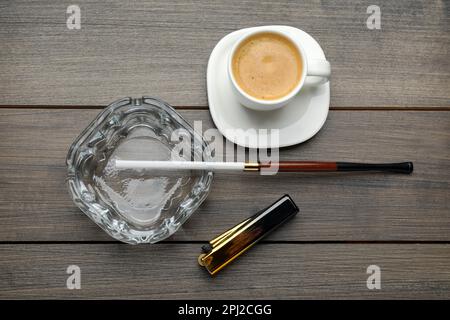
267	66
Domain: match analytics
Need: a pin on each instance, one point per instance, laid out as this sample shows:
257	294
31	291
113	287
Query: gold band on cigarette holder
229	245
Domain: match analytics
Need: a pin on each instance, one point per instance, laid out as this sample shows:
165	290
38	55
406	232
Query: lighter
229	245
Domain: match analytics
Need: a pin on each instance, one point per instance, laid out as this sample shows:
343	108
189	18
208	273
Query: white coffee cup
311	67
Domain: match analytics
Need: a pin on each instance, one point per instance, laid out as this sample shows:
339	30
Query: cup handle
319	68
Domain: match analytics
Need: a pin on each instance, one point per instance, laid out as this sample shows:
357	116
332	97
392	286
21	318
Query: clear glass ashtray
137	206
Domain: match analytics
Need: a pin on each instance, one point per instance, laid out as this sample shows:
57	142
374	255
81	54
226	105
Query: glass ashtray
137	206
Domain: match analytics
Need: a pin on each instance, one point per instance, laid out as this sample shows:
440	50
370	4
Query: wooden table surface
390	101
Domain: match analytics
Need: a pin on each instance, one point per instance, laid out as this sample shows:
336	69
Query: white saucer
298	121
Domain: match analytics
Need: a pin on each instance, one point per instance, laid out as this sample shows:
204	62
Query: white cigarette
179	165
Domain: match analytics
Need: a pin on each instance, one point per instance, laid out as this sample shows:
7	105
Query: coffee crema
267	66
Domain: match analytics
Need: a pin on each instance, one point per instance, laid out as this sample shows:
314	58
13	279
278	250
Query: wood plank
35	205
161	48
165	271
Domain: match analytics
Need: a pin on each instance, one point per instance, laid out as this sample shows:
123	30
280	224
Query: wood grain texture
333	206
161	48
267	271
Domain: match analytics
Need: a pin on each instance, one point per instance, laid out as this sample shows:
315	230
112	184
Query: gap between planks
199	242
200	108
